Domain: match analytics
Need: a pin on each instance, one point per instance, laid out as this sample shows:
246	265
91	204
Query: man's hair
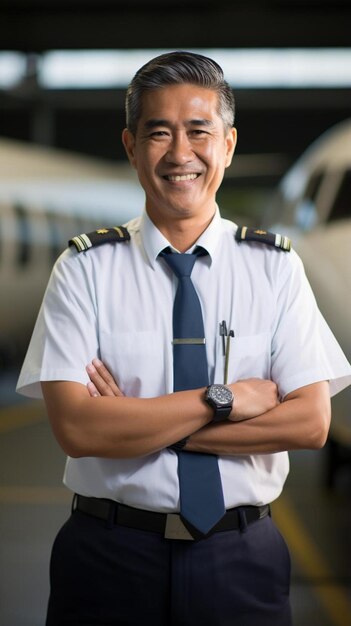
178	68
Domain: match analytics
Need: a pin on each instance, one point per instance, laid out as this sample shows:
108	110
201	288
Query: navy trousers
124	577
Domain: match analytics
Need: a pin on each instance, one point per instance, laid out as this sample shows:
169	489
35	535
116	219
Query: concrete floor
33	504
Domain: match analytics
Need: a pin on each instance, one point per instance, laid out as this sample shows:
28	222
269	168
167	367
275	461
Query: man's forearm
300	422
121	427
113	426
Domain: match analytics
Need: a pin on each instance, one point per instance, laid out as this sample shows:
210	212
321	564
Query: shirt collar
154	242
210	237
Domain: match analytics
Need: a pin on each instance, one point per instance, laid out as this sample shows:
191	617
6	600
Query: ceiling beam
39	26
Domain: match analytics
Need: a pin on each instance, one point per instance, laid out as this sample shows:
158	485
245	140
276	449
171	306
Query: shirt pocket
137	360
249	357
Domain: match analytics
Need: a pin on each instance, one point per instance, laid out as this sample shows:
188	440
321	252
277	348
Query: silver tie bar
189	340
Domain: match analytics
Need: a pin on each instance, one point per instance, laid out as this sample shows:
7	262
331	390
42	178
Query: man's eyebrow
201	122
154	123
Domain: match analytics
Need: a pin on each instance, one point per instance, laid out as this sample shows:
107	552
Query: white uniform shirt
115	302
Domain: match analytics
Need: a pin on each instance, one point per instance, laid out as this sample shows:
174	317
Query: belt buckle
175	528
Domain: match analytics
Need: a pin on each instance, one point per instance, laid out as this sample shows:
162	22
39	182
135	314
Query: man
131	552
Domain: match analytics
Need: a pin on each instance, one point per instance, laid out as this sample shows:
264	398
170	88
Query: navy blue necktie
201	495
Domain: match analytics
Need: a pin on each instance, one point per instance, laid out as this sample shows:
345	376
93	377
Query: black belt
169	525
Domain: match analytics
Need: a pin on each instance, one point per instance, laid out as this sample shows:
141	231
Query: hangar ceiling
270	122
43	24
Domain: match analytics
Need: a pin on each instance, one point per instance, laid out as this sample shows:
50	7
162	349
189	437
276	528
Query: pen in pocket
226	337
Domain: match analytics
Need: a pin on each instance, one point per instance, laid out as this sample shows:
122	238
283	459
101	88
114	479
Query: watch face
220	394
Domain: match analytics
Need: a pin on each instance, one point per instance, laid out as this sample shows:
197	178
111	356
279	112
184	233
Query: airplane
47	197
312	205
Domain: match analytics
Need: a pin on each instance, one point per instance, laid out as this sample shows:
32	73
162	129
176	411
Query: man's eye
158	133
198	132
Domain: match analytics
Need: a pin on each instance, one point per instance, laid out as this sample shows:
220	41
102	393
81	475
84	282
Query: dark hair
176	68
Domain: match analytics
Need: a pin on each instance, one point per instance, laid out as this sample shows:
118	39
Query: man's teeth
184	177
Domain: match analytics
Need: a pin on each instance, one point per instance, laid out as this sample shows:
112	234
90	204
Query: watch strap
178	445
221	413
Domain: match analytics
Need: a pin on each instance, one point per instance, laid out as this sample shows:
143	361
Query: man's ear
128	141
231	139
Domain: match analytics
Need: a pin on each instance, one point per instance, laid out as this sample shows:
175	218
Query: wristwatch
220	398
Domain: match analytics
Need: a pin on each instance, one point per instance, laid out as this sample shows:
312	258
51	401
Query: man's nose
180	149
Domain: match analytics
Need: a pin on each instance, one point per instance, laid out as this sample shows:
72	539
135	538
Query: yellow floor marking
20	415
311	562
34	495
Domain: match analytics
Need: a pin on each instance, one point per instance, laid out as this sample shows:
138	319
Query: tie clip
189	341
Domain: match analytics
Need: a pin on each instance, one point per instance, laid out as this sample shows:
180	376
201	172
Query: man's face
180	151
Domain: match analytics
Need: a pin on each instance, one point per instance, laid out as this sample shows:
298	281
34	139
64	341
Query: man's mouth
180	177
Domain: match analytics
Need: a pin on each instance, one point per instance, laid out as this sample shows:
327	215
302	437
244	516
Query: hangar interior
276	123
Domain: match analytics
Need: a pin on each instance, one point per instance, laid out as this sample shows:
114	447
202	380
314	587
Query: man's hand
253	397
101	382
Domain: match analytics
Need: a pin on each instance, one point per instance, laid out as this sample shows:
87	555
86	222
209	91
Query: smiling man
180	357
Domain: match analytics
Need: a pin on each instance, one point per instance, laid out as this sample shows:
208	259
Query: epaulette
262	236
115	234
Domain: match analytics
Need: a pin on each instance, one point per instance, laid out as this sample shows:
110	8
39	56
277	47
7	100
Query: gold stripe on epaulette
283	242
82	242
119	231
287	244
243	232
278	240
87	241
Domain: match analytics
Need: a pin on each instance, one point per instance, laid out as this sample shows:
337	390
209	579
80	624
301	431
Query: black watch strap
221	413
178	445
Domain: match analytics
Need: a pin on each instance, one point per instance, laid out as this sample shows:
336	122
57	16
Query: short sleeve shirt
115	302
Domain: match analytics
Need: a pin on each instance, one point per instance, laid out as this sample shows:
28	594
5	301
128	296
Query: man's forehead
197	104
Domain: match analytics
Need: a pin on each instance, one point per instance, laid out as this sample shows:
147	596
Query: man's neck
183	234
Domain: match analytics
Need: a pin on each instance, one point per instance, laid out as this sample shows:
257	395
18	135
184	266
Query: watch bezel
211	394
222	409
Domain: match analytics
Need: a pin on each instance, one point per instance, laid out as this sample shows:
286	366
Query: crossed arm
98	420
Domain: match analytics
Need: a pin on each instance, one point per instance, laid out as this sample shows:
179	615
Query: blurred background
64	69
